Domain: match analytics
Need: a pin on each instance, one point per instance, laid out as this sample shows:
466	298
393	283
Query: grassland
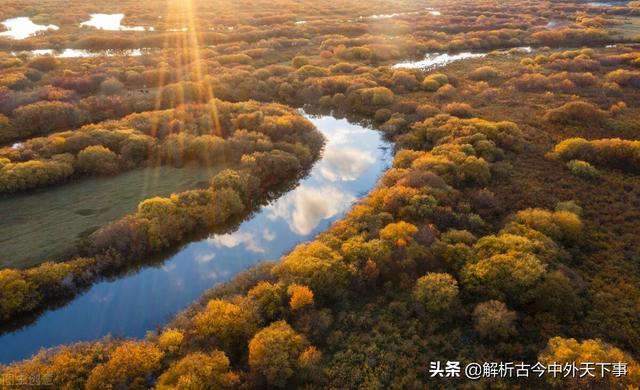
48	224
629	27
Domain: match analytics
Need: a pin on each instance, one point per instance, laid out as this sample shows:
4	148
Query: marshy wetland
293	194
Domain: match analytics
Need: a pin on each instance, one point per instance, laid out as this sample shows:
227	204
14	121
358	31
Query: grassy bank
48	224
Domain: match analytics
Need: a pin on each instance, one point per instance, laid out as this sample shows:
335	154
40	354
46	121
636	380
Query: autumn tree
202	371
170	340
130	365
568	350
398	233
503	276
15	291
317	266
274	353
227	322
300	296
436	291
269	299
493	320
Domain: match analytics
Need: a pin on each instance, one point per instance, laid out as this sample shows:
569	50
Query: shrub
377	96
228	59
582	79
43	63
45	116
31	174
382	115
623	77
111	86
80	84
353	53
97	159
300	61
7	132
484	73
613	153
425	111
461	110
445	92
583	169
127	236
533	82
16	80
441	78
404	79
430	85
559	225
474	171
576	112
573	148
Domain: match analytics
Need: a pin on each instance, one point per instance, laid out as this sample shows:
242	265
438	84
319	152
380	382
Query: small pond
435	60
111	22
81	53
23	27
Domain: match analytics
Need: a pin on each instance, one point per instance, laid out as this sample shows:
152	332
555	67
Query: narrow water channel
352	161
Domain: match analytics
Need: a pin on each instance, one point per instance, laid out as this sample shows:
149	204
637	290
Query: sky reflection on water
23	27
353	160
111	22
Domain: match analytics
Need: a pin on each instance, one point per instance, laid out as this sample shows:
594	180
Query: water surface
352	161
111	22
608	3
23	27
436	60
81	53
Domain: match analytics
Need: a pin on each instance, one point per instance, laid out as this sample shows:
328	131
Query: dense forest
506	229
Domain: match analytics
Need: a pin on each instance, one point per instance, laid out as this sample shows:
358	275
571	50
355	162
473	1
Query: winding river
353	159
